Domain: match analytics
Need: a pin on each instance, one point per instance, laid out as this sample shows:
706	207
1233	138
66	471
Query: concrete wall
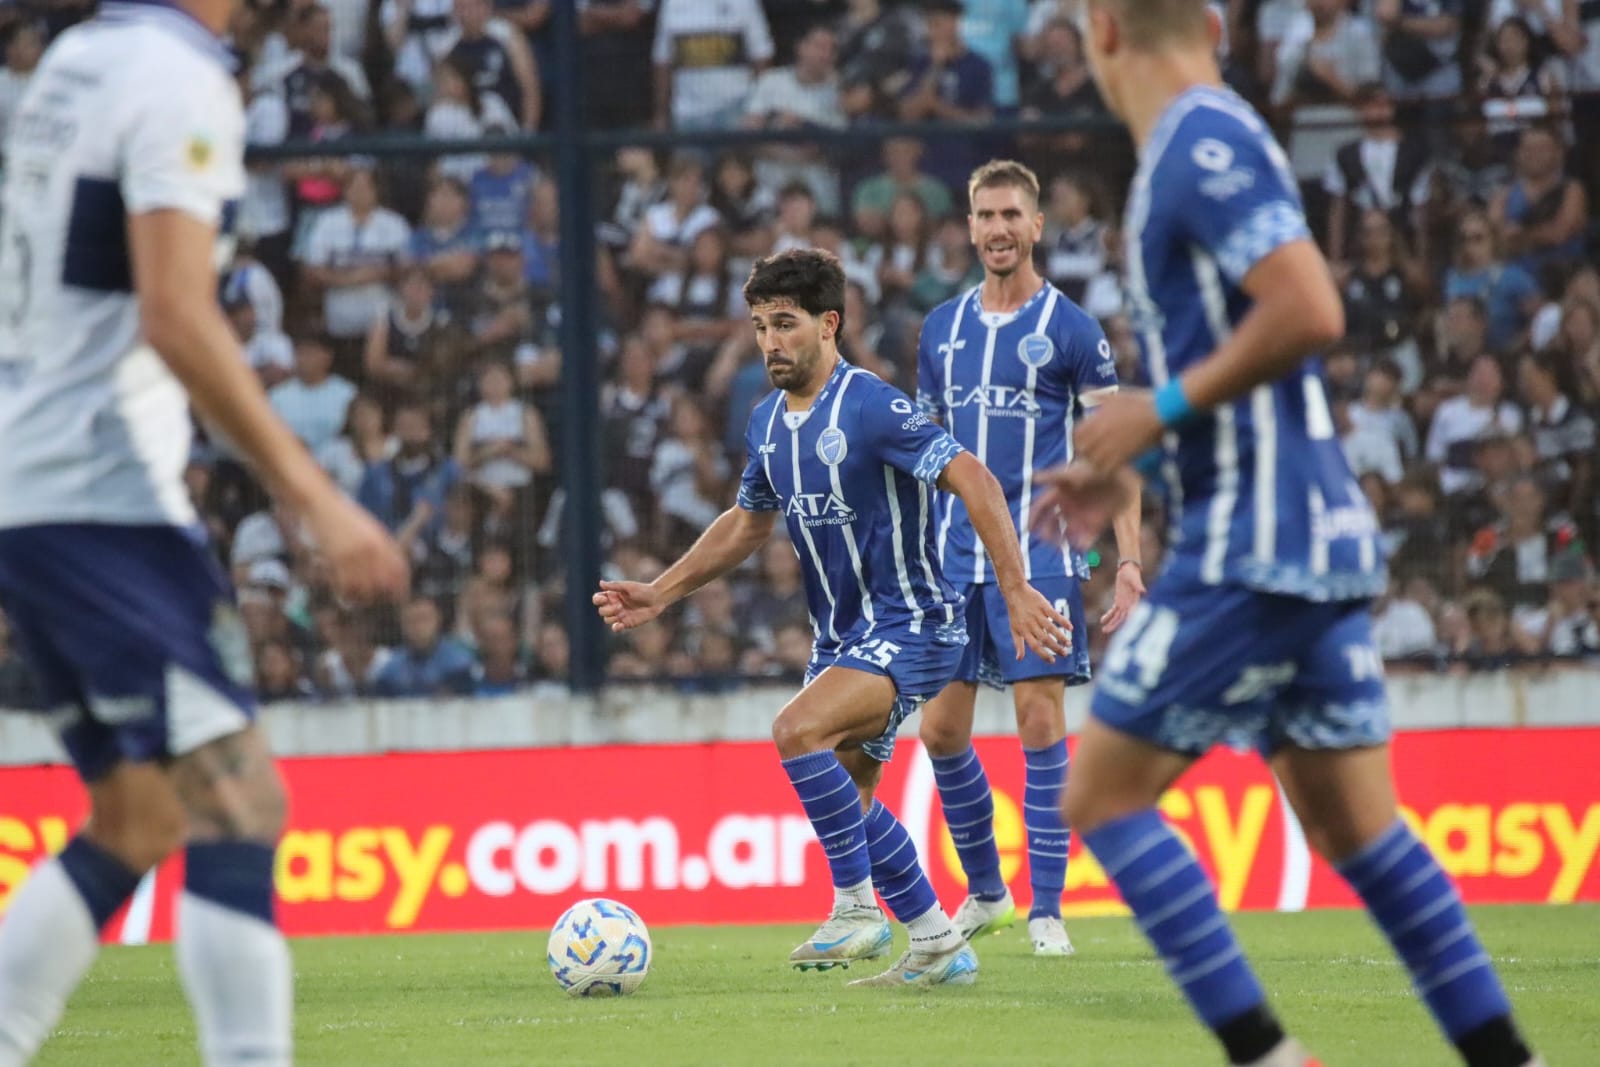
550	716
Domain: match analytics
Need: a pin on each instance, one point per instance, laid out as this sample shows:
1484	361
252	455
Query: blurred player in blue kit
1258	629
123	169
854	467
1008	368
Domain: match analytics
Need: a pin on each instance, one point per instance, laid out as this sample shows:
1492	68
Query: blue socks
896	870
1047	833
1420	912
104	882
234	874
969	813
833	805
1177	910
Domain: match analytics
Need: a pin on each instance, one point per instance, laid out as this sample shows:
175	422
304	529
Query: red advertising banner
713	834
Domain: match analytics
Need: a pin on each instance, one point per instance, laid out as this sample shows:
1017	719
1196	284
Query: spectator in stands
310	67
500	315
446	245
1421	48
418	33
1563	434
951	83
951	267
776	596
1508	293
417	345
746	206
897	259
492	590
442	559
661	242
1516	82
502	664
278	676
264	212
315	401
352	254
1552	25
1463	336
350	668
689	474
634	413
796	224
864	339
270	352
616	35
1368	445
1463	419
407	491
427	664
1568	624
363	441
552	653
263	600
501	192
1578	343
706	59
1384	169
995	30
877	40
705	293
1323	60
1542	215
1381	408
461	111
1383	289
502	448
318	181
17	686
1060	87
902	173
496	59
800	97
1402	628
1512	555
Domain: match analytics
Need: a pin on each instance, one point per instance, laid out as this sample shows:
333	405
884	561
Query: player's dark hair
1004	174
810	278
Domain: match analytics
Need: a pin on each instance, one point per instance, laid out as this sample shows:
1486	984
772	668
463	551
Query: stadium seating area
403	310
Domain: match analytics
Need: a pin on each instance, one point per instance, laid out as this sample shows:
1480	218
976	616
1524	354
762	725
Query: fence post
580	379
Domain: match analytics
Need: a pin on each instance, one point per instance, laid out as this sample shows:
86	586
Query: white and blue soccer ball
599	948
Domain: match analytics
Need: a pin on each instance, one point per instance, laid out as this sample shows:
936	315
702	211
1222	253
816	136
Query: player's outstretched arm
1034	621
176	285
1295	311
726	543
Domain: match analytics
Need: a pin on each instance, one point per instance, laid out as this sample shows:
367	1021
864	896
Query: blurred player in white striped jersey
1009	367
124	165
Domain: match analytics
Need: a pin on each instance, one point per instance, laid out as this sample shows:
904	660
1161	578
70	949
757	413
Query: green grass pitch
723	996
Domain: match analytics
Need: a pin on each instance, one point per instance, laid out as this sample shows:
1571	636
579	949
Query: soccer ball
599	948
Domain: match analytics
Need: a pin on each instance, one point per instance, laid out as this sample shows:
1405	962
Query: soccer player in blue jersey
1008	368
853	467
124	164
1257	630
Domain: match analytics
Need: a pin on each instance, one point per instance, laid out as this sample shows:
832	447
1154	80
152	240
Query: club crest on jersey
1211	154
832	446
199	151
1035	350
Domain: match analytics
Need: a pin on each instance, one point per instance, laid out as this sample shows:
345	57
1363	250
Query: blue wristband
1172	407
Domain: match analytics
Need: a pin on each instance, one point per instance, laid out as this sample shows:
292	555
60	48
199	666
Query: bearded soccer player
853	467
1009	367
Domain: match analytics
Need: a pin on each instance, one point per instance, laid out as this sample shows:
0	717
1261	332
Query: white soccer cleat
914	968
976	917
1049	937
1288	1053
850	933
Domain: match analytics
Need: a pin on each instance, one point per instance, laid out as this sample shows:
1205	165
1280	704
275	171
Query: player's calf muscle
231	790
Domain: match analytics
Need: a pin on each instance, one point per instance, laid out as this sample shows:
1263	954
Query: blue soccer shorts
1198	665
133	634
991	655
919	664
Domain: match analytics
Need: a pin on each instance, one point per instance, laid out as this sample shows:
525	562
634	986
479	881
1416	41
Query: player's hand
1121	427
624	605
1130	590
1036	624
1075	503
364	562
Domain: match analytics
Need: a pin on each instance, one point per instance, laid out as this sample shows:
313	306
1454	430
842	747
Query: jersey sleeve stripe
1266	229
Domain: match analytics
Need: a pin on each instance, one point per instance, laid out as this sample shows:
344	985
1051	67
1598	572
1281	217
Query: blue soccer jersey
854	478
1263	494
1008	387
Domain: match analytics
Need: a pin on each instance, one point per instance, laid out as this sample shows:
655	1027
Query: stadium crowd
403	311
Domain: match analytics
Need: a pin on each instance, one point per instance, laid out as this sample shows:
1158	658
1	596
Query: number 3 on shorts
1144	644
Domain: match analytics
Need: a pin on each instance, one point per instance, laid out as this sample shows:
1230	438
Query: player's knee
795	735
137	818
944	735
1041	722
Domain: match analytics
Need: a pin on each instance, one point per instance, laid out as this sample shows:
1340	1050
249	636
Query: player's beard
1021	254
795	376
